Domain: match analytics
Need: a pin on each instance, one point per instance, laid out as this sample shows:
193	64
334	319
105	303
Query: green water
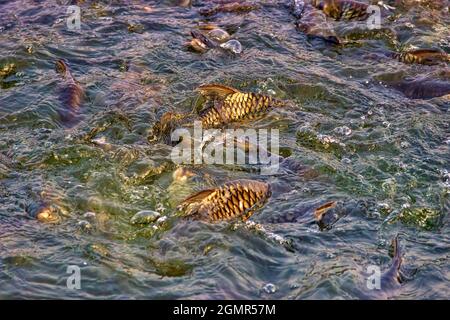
133	65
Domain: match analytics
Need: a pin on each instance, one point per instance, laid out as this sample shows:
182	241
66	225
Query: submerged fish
422	56
71	96
423	88
343	9
234	199
313	22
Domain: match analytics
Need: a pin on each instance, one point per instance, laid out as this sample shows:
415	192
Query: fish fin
192	205
214	89
397	259
61	66
202	38
199	196
320	211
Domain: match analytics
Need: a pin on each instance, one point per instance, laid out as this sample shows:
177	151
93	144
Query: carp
234	199
71	95
313	22
422	56
230	105
343	9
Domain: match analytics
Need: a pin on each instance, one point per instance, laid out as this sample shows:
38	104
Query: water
362	139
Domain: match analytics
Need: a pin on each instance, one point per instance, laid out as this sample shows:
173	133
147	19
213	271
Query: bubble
344	131
145	217
270	288
346	161
84	225
271	92
219	35
233	46
404	144
89	215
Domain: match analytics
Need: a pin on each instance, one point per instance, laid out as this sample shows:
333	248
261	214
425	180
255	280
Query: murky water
363	139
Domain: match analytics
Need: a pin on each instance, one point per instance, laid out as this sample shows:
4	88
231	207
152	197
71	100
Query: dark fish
71	94
343	9
392	279
313	22
234	199
325	215
236	7
200	37
423	88
423	56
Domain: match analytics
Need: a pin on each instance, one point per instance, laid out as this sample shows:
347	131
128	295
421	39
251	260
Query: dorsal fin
320	211
192	204
214	89
199	196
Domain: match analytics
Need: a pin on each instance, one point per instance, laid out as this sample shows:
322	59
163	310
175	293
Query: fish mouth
60	66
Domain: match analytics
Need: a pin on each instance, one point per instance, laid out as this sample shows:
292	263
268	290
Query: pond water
363	139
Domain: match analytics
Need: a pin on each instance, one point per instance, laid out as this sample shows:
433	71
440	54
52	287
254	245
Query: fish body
230	105
422	56
313	22
233	105
234	199
343	9
391	280
423	88
71	95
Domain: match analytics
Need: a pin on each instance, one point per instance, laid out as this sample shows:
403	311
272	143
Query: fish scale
235	107
235	199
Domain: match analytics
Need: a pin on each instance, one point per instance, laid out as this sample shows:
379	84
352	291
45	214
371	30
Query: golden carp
230	105
343	9
234	199
313	22
423	56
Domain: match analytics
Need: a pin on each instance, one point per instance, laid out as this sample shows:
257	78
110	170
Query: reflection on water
111	195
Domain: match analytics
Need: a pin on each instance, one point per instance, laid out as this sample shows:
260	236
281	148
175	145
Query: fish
230	105
423	88
71	95
313	22
343	9
237	199
391	280
422	56
200	42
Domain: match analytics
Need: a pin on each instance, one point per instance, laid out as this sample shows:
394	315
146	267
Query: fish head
44	212
61	66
